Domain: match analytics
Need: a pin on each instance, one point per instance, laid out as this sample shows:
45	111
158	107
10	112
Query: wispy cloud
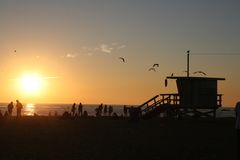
121	46
69	55
90	51
106	48
110	48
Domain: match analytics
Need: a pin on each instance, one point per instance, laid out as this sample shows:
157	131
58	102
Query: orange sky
79	43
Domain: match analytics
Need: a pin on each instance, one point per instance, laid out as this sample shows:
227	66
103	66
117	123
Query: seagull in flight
152	69
155	65
122	59
201	72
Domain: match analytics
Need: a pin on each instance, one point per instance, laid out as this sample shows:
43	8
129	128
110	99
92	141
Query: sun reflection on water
29	109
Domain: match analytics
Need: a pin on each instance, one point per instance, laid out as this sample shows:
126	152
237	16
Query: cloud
106	48
111	47
87	51
121	46
92	50
69	55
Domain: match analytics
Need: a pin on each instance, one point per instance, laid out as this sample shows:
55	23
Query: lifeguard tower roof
198	92
184	77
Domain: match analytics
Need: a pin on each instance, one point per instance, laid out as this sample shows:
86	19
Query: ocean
46	109
50	109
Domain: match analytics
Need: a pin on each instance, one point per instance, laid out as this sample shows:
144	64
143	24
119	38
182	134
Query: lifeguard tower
197	97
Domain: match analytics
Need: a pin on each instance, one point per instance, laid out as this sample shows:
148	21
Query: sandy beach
102	138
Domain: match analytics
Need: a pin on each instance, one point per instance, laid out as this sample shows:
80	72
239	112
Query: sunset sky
73	47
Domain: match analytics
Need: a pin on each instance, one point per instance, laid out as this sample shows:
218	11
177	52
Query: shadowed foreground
95	138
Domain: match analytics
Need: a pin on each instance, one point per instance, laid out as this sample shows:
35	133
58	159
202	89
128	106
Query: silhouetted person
237	111
125	110
80	109
85	114
73	109
19	107
1	116
131	110
115	116
99	110
134	114
110	110
66	115
105	110
56	114
10	108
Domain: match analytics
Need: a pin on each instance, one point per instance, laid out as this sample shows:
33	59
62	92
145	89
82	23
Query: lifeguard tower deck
196	97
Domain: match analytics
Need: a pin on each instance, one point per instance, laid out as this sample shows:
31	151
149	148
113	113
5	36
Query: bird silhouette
152	69
155	65
172	75
188	51
15	51
201	72
122	59
166	82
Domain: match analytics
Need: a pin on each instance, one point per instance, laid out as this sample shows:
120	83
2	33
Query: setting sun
31	84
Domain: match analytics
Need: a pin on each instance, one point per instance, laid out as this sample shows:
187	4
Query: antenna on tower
188	51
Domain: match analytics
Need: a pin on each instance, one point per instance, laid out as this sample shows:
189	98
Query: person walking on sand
80	109
237	111
73	109
10	108
19	107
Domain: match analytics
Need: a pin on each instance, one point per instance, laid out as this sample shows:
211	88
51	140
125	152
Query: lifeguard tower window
198	92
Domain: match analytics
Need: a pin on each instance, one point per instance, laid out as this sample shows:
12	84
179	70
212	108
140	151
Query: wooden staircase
158	104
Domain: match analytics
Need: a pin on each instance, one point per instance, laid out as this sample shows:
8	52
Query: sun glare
31	83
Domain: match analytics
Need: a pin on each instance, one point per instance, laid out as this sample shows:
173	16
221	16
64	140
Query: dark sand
52	138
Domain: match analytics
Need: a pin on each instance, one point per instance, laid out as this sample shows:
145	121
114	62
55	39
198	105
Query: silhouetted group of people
10	107
75	112
106	110
78	111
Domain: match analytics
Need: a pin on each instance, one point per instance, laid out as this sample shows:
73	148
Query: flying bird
152	69
166	82
201	72
122	59
155	65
